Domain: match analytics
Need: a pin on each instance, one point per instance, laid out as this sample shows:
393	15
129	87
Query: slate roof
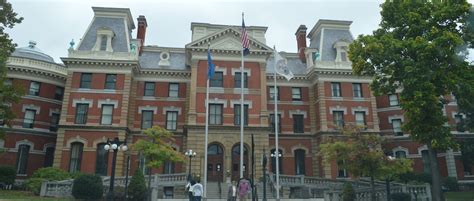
32	52
117	25
297	67
151	59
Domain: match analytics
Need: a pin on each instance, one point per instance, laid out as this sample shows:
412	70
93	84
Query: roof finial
32	44
72	44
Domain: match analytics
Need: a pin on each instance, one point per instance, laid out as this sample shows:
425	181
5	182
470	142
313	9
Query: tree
157	148
420	47
362	156
137	188
8	94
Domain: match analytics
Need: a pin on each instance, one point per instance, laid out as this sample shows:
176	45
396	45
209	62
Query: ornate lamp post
277	155
114	145
190	154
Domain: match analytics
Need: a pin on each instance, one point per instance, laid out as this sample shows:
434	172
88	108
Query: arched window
299	161
280	162
76	157
102	159
400	154
22	158
214	149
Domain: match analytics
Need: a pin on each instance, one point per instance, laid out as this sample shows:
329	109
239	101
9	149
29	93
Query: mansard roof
162	58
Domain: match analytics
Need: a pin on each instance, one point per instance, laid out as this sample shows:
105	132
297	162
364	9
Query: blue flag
210	65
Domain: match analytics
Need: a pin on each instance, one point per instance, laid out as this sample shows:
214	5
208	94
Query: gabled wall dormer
331	39
110	31
200	30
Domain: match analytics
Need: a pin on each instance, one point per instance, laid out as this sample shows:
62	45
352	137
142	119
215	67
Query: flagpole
275	116
242	111
206	133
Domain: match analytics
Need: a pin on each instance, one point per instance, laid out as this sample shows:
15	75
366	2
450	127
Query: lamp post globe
115	146
191	154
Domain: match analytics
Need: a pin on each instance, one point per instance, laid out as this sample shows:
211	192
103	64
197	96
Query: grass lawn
26	196
459	196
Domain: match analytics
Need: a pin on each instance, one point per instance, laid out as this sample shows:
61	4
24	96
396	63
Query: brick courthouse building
113	85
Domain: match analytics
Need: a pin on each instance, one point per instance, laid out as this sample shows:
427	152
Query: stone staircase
213	191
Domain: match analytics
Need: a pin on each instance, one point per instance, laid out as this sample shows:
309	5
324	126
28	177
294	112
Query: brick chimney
141	20
301	41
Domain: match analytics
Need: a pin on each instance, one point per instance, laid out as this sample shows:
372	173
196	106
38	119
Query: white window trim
422	148
219	101
31	107
107	102
453	115
82	100
221	69
104	31
76	139
400	148
360	109
304	113
25	141
147	107
391	118
237	102
171	109
48	145
54	111
282	114
338	108
246	70
164	61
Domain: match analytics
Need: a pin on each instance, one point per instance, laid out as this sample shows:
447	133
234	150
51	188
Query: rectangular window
238	77
237	110
59	93
296	93
338	118
272	93
101	161
336	89
49	157
173	90
86	80
397	127
81	113
343	56
53	125
341	171
29	119
272	122
34	88
458	119
298	123
149	89
400	154
357	90
168	167
215	114
168	192
142	164
217	80
103	43
75	157
107	113
393	99
425	156
110	80
360	118
300	161
147	119
171	120
22	158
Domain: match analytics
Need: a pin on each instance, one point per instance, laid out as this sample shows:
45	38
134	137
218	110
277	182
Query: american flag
245	39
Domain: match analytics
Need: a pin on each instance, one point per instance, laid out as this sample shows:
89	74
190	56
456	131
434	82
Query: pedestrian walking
232	192
189	189
197	190
244	189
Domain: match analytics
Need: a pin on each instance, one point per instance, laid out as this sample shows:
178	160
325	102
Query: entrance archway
215	162
236	162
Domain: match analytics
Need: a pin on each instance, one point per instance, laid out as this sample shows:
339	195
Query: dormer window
341	51
104	39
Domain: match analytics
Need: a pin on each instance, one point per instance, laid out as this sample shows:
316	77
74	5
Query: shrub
452	184
401	197
88	187
7	175
45	174
348	193
137	190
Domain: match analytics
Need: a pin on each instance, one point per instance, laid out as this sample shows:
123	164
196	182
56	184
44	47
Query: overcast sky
53	23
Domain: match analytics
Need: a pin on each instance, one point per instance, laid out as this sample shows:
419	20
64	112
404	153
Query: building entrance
215	162
236	162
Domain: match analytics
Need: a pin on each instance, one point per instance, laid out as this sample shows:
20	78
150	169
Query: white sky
53	23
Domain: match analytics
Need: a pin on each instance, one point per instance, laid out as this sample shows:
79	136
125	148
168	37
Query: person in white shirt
232	193
189	189
197	191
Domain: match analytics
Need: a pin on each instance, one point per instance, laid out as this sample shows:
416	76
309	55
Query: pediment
227	40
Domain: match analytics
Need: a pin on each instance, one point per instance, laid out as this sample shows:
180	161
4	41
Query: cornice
102	62
168	73
36	72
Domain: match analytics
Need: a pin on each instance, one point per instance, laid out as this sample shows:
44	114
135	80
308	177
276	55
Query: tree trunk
372	187
436	192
